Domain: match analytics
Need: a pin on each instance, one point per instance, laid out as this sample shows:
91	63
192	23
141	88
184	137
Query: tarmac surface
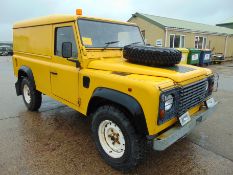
57	140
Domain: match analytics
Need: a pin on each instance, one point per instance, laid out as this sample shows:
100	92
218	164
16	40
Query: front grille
191	95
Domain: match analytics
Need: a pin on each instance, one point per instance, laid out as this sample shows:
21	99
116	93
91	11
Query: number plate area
184	119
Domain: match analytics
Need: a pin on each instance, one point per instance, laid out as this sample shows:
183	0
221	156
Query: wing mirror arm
75	61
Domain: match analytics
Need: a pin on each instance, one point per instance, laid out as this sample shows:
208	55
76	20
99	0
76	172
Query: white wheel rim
111	139
26	94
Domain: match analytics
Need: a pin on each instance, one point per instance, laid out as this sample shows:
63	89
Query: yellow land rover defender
133	93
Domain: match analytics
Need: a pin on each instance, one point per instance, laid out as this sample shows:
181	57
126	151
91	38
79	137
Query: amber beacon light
79	12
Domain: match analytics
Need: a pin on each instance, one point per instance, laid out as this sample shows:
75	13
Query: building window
177	41
204	43
182	41
65	34
143	33
200	42
172	40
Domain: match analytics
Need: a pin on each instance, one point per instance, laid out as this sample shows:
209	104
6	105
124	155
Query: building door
64	73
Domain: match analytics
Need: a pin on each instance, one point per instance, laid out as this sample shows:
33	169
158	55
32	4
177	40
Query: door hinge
79	101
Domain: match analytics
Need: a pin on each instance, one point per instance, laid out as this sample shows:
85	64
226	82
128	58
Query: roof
178	24
54	19
227	21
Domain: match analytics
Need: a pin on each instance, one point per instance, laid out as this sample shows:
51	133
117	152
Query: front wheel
31	97
116	139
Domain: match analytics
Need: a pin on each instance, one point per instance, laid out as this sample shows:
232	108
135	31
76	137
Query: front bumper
177	132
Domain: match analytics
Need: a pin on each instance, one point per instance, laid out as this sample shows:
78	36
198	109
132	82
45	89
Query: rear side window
65	34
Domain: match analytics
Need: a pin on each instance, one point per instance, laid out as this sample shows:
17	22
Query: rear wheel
32	98
116	139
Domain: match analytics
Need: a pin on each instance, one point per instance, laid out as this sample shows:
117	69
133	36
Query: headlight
168	105
169	100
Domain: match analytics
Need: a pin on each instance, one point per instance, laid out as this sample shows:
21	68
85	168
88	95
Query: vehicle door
64	73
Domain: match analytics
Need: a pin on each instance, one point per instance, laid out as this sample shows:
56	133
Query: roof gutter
196	31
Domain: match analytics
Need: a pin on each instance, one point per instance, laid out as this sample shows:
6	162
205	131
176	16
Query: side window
65	34
177	41
172	41
200	42
182	41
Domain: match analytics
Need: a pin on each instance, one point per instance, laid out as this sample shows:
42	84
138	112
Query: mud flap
17	88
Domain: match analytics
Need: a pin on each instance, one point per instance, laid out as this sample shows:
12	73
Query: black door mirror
67	49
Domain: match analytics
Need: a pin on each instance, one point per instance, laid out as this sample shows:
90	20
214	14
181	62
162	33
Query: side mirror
66	49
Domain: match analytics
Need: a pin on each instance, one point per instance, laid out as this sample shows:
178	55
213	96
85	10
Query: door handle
53	73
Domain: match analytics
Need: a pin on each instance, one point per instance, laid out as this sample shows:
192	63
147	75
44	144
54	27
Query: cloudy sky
204	11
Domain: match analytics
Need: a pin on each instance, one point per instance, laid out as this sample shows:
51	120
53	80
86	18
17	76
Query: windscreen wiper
135	43
108	43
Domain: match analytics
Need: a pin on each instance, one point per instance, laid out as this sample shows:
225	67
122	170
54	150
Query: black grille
191	95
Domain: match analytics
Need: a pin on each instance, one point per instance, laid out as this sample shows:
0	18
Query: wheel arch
24	71
129	104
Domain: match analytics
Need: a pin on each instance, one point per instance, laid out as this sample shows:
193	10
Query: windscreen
98	34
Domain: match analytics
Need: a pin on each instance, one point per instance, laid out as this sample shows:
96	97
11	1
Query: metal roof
178	24
227	21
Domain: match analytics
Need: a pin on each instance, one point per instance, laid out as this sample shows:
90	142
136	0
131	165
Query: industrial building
175	33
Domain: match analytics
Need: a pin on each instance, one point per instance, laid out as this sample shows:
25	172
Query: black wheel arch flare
24	71
126	101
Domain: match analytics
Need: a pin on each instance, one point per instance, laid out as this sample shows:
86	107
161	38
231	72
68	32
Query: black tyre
152	56
31	97
116	139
